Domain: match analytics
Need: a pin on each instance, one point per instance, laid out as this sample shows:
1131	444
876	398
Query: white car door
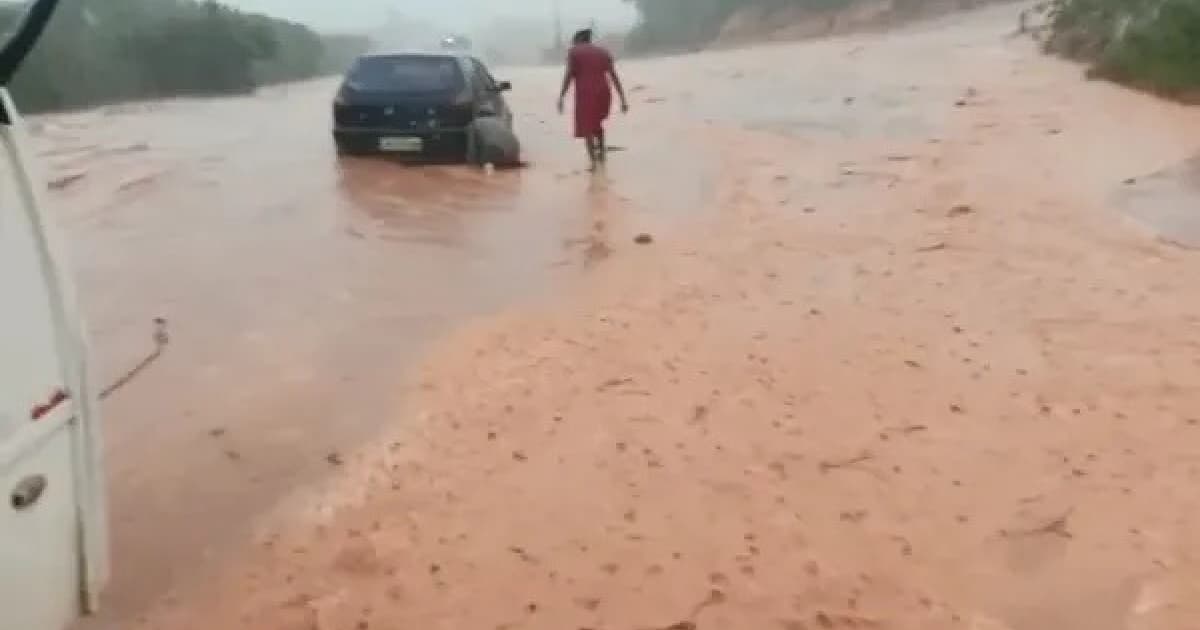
52	527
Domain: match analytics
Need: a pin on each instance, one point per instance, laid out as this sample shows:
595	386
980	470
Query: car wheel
494	142
472	155
345	148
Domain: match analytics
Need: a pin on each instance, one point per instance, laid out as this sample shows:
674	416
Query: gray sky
356	14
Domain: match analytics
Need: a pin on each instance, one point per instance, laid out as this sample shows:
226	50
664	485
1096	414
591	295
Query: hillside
692	24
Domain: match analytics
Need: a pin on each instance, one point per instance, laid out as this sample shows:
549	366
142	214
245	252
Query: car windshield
411	74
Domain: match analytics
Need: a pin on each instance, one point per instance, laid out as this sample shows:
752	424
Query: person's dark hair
582	37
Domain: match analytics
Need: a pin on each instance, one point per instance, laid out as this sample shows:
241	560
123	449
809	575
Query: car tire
472	154
345	148
490	141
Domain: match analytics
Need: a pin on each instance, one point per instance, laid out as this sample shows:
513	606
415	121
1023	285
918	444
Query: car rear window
408	74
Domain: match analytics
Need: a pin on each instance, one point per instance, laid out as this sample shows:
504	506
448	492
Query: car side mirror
503	86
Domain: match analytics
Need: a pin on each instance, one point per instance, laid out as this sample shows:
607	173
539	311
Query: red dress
589	66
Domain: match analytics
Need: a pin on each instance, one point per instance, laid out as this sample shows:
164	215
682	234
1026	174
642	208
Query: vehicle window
485	77
412	74
477	84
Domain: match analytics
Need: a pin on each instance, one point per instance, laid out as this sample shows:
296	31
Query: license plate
401	144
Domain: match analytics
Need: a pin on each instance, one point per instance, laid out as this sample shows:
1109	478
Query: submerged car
424	106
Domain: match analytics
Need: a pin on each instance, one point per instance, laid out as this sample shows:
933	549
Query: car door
489	91
52	526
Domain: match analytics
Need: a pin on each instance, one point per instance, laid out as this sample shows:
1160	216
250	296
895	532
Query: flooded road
298	287
883	269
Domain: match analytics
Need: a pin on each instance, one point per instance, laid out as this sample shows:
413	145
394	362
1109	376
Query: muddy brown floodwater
298	286
900	352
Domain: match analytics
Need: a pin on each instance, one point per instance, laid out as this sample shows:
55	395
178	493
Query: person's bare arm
568	75
616	81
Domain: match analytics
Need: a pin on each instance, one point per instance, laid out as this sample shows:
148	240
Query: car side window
485	77
469	75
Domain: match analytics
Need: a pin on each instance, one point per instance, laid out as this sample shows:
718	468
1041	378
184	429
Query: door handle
27	492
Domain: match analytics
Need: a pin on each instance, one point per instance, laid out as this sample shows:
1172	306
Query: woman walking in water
590	67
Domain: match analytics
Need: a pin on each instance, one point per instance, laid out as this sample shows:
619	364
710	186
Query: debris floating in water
65	181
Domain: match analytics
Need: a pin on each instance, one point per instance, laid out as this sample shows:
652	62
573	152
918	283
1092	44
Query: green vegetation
678	24
1154	44
685	24
682	24
105	51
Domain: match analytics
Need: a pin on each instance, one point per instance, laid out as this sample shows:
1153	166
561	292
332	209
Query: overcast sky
356	14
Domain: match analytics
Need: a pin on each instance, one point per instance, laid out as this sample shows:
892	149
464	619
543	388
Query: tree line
96	52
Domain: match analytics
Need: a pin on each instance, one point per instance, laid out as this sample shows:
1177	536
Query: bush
1148	43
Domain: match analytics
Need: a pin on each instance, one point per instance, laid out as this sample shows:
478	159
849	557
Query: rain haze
457	14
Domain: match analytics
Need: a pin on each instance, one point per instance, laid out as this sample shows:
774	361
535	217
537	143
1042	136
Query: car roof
449	54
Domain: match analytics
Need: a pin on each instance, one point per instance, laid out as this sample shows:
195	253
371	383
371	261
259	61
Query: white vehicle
53	544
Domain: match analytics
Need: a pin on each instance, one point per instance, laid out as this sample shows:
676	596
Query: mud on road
904	365
300	287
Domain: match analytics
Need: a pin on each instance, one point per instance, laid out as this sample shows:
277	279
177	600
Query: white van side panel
39	547
53	555
30	367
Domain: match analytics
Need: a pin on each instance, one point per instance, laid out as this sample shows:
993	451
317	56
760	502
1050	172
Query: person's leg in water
601	147
595	149
593	154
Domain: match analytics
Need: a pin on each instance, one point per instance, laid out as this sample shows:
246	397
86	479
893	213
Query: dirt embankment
759	24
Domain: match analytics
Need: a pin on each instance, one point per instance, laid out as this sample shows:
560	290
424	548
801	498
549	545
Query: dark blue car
424	106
